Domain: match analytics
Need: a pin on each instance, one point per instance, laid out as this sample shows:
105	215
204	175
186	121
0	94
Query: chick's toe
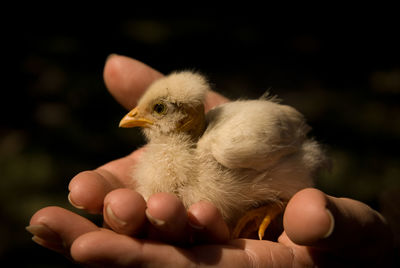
256	220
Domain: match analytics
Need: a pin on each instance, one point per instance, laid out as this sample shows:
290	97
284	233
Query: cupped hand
319	229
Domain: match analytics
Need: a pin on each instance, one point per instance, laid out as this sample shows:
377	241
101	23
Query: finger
124	211
168	218
89	188
56	228
107	249
207	223
315	219
308	208
127	79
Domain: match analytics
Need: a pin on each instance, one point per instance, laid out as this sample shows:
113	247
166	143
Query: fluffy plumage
240	156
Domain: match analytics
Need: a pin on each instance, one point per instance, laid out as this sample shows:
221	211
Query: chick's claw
256	220
263	226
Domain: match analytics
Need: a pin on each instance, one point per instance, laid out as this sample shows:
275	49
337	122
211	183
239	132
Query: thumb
343	226
127	78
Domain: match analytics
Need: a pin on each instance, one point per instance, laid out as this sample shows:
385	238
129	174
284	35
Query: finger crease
251	258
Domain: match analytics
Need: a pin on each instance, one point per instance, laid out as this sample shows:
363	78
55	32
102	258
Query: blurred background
58	119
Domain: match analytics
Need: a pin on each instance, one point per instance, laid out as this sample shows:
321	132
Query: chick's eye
160	108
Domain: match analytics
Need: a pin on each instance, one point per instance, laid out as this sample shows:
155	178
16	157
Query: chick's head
173	104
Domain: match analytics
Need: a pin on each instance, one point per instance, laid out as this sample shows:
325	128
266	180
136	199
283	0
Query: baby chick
247	157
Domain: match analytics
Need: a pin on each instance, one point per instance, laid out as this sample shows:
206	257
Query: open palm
319	229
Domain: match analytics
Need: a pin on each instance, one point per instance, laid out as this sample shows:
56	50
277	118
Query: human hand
107	190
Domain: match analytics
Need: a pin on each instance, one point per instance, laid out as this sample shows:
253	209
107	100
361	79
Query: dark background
57	118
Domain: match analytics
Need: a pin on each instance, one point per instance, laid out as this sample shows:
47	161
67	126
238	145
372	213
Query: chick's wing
253	134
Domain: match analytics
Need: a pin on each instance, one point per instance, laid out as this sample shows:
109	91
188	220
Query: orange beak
134	119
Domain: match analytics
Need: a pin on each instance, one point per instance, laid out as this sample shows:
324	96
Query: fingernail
193	222
332	224
74	204
44	236
154	221
111	215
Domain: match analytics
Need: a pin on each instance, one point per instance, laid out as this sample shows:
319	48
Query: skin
318	229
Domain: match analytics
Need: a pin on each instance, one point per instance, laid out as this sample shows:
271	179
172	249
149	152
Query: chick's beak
134	119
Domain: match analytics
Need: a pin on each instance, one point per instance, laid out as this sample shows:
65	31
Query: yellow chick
247	157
